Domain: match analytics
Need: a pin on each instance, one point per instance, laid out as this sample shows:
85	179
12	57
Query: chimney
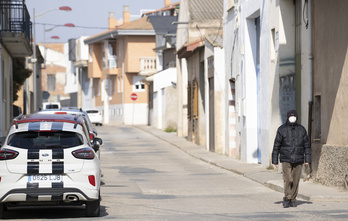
167	3
112	21
126	14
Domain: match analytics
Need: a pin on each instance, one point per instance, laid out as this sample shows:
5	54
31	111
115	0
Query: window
112	58
51	82
45	140
138	85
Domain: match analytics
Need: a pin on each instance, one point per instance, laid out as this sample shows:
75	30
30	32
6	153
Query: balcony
147	66
16	28
112	61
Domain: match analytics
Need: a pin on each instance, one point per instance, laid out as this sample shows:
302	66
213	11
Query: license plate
45	178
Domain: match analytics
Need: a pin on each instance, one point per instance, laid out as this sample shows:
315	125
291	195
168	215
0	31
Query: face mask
292	119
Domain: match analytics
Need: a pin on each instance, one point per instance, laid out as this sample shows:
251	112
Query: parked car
95	116
47	160
74	111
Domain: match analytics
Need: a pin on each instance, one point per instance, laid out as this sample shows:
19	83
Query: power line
76	26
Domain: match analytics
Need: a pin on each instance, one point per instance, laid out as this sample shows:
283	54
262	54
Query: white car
95	116
47	160
74	111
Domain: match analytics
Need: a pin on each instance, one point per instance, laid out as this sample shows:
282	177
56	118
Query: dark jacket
291	144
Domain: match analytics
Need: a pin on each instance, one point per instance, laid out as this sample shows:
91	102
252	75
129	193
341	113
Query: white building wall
251	129
221	99
232	46
182	38
135	114
82	48
116	114
277	47
72	74
162	80
249	152
54	57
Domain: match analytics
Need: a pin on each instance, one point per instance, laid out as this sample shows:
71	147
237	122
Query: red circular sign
134	96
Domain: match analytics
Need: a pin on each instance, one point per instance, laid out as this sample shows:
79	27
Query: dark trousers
291	177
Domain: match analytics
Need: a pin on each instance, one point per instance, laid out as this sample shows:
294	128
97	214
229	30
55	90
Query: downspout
310	67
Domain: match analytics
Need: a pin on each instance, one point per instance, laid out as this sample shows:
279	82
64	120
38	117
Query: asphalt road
145	178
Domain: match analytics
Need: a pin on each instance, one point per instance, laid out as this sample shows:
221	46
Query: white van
51	105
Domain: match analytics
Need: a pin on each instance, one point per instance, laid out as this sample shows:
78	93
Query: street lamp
71	25
62	8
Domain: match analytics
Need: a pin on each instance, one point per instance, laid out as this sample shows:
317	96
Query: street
145	178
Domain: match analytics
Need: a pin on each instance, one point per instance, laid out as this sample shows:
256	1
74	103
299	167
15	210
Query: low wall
333	166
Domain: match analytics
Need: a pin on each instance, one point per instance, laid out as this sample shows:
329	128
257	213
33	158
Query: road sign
134	96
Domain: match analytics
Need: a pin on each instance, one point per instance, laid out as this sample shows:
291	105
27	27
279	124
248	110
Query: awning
188	49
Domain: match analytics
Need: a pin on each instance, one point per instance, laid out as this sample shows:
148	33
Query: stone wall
333	166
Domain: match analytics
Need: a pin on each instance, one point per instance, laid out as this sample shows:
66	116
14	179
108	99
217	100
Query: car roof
48	118
49	123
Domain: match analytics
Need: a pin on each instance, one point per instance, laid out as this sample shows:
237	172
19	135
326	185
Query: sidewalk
272	179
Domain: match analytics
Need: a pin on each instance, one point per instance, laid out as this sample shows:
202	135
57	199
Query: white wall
232	48
135	114
72	74
162	80
240	44
249	109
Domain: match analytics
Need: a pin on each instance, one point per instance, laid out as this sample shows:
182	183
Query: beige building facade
330	77
115	60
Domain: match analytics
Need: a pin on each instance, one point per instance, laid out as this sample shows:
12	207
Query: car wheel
93	208
2	210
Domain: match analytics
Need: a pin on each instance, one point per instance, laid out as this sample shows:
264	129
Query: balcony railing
14	17
112	61
147	66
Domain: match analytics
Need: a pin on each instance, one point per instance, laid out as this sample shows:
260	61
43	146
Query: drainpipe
310	68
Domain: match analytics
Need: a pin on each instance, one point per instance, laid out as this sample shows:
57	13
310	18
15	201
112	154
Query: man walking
292	147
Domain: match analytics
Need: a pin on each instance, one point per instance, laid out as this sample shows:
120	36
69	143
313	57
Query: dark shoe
293	204
286	203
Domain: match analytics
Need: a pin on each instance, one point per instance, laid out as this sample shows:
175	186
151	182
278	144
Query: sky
90	17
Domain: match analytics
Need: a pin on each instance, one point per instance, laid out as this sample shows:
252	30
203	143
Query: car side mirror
99	140
96	146
96	143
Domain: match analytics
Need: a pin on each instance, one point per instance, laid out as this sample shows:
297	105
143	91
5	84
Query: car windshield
92	111
45	140
52	106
